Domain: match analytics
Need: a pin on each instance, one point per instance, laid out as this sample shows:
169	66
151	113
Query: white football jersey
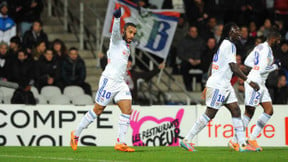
117	54
221	72
260	60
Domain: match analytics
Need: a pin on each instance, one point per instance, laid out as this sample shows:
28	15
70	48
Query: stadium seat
50	91
41	100
59	100
82	100
35	92
72	91
7	94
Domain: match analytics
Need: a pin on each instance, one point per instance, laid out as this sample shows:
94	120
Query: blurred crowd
28	57
199	30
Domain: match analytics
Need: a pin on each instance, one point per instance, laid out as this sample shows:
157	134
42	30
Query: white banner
50	125
155	28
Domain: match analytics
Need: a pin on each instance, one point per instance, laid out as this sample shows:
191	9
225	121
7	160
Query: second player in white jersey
261	62
219	90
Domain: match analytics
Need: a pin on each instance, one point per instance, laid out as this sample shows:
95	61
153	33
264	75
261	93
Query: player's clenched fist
117	13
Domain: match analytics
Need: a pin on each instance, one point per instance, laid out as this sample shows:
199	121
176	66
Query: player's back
221	72
259	59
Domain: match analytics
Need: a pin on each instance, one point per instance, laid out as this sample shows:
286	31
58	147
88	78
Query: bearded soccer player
220	91
112	85
260	63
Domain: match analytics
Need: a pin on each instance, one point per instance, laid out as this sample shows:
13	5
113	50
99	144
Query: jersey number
221	98
215	57
256	59
107	95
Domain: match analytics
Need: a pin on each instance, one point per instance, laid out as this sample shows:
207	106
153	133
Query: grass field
145	154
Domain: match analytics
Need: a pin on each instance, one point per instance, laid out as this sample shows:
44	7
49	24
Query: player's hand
117	13
278	63
254	85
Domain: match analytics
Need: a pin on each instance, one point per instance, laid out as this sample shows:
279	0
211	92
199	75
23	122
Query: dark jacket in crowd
46	69
73	72
23	72
5	64
190	48
26	13
206	58
30	39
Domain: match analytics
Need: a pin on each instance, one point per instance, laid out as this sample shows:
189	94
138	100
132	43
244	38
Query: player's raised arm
116	33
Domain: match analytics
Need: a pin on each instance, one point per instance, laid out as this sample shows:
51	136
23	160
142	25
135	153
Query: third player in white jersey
261	62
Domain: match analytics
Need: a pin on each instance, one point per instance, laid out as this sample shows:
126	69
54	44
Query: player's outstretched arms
236	70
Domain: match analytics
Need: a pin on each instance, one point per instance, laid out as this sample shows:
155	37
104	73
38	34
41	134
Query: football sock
261	122
246	121
197	127
86	120
239	130
124	122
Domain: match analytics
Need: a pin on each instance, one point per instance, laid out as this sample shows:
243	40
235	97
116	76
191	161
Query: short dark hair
16	40
73	48
39	21
129	24
273	33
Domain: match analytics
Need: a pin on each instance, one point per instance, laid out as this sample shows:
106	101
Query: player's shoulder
262	47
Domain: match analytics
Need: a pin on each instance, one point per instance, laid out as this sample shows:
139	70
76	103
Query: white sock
239	130
246	121
261	122
86	120
197	127
124	122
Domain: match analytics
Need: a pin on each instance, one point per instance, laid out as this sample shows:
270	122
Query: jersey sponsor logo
256	68
214	66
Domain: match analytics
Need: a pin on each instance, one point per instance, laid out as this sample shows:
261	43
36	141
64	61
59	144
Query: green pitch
145	154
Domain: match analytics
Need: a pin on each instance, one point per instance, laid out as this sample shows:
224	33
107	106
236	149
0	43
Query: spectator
15	45
7	25
218	32
39	50
206	58
29	11
264	30
279	93
208	30
283	57
33	36
5	62
23	70
245	42
252	29
59	50
173	60
74	71
189	51
48	71
195	11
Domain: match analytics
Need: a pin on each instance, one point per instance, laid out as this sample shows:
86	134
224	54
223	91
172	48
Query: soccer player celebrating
220	91
112	85
260	60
